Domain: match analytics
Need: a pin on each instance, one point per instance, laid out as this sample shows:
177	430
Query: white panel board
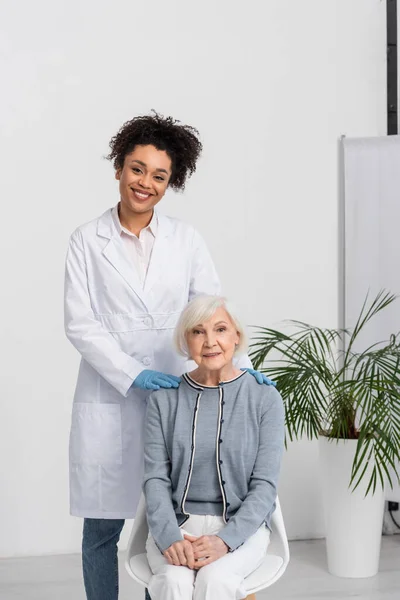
372	233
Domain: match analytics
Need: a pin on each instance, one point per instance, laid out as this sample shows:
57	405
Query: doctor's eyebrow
144	165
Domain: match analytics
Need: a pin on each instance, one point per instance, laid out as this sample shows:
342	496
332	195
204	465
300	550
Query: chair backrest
278	541
140	531
277	558
136	559
272	568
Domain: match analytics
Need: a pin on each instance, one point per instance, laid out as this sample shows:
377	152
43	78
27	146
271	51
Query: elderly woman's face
212	343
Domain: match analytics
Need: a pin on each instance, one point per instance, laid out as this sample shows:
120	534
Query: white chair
271	569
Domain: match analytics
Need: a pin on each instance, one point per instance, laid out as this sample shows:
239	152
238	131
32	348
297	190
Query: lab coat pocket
96	437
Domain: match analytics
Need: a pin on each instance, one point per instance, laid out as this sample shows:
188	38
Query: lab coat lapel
115	253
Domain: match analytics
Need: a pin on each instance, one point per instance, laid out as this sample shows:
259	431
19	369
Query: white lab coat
119	328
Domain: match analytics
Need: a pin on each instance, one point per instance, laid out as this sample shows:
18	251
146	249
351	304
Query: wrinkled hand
207	549
180	554
260	377
154	380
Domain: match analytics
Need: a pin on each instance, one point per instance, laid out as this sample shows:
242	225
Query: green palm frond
330	388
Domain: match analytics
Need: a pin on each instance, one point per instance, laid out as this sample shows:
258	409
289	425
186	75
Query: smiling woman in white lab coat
129	274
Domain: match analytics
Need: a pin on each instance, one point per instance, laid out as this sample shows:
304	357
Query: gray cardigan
249	446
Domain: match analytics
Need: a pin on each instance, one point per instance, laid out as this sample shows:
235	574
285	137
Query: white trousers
222	579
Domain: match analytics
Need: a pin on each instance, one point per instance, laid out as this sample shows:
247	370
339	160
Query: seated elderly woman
213	450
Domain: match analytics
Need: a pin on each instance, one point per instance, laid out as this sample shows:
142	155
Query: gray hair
201	309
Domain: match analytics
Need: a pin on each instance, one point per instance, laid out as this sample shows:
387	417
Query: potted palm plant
350	400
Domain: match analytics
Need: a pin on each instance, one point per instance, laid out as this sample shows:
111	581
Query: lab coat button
146	361
147	321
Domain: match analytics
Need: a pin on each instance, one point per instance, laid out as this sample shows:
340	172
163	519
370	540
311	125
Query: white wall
271	85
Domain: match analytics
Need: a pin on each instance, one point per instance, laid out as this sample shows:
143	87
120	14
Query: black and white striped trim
199	386
193	450
192	382
218	452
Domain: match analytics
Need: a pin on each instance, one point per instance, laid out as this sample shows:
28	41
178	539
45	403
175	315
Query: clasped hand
196	552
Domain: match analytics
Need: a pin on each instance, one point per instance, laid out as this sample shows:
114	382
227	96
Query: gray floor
59	577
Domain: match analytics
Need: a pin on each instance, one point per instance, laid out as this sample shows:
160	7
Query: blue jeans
100	558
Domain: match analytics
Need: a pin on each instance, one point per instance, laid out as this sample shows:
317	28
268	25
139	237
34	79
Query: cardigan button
223	482
220	462
228	504
220	441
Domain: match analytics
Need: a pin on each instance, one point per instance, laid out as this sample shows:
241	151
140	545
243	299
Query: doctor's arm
96	345
203	274
204	280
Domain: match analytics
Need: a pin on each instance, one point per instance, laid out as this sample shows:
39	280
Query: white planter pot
353	520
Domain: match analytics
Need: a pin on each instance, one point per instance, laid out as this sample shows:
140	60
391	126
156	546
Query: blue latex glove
260	377
154	380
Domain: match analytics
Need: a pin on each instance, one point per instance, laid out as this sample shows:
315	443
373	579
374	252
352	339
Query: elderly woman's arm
263	483
161	516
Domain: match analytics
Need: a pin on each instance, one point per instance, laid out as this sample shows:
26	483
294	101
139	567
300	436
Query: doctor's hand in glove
154	380
260	377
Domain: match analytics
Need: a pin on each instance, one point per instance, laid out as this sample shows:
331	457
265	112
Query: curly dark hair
180	142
